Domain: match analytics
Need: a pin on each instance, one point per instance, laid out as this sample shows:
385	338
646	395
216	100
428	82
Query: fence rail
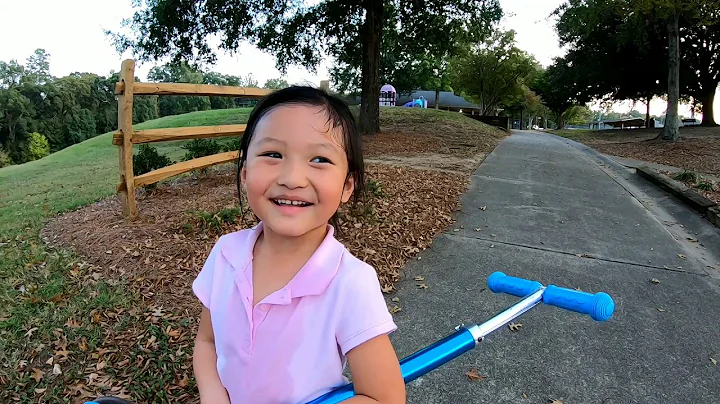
125	137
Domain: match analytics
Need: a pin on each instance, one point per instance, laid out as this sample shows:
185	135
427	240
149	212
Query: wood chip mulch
696	154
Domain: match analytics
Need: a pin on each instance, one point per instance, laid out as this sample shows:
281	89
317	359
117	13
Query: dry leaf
483	208
473	375
49	361
100	365
524	395
655	280
515	326
681	256
419	278
477	229
395	299
30	332
692	239
40	391
555	401
184	381
422	286
395	309
661	310
387	288
56	369
714	362
37	374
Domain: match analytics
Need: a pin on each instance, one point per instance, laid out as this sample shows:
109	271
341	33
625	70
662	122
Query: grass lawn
61	320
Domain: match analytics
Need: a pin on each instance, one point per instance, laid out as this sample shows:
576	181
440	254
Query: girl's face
296	172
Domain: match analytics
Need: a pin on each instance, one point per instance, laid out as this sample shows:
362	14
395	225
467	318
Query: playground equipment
599	306
388	95
416	103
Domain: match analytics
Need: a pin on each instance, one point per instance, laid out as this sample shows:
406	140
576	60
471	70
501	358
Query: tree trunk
370	99
671	130
647	113
437	99
707	109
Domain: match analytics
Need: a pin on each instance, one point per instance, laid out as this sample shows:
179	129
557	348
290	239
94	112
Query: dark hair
339	115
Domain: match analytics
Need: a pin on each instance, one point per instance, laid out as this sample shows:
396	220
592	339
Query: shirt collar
312	279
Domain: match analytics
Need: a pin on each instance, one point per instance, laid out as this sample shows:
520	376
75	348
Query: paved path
549	199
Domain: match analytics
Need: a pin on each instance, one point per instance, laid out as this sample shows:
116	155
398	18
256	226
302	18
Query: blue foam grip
599	306
498	282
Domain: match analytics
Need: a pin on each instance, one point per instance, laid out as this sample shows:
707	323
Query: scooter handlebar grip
600	306
498	282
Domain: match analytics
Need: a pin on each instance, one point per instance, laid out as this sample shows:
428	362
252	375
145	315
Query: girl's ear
348	188
243	176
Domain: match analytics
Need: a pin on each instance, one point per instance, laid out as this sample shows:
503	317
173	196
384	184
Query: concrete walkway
549	200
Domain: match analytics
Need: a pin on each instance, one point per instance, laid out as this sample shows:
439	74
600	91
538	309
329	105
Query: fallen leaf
692	239
395	299
555	401
63	352
515	326
524	395
473	375
477	229
422	286
37	374
483	208
100	365
387	288
655	280
661	310
184	381
714	362
666	267
395	309
419	278
681	256
56	369
30	332
40	391
108	252
49	361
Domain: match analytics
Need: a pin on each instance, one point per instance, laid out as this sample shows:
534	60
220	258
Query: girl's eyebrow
322	145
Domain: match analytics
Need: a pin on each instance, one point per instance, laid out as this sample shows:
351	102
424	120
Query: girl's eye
320	160
274	155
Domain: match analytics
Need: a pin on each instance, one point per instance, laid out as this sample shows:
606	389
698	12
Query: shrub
706	185
375	188
201	148
148	159
5	159
38	147
686	176
232	145
214	221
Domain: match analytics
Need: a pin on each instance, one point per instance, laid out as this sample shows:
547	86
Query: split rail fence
126	136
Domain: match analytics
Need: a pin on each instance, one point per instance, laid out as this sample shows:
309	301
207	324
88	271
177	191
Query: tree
299	33
493	72
558	87
276	84
179	72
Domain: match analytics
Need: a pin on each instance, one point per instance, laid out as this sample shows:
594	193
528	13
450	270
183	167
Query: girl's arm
376	373
205	364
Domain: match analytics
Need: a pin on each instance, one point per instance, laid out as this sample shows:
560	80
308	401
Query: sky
72	32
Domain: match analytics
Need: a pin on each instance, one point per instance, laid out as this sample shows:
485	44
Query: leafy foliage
201	148
493	72
296	32
276	84
148	159
5	159
38	147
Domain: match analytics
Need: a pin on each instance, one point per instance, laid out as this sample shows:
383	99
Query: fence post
125	110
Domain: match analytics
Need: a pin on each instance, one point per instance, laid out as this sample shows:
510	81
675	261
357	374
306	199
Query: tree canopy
297	32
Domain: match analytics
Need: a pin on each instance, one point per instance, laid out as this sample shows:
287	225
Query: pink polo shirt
290	348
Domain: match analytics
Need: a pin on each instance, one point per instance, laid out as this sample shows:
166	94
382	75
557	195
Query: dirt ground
698	148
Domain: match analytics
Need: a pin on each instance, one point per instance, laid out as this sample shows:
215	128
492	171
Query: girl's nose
293	174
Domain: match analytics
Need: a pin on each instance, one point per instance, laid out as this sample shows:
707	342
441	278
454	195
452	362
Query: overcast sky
71	31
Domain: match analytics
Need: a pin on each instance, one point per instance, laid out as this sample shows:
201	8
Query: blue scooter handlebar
600	306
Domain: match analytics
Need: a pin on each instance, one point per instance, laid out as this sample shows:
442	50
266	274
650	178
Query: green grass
574	134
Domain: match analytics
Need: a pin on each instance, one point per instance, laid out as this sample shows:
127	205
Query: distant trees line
41	114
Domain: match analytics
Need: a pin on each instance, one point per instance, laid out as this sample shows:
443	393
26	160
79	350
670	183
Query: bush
201	148
706	186
148	159
38	147
686	176
233	145
5	159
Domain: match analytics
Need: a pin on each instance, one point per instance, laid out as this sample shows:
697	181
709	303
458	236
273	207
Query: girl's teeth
286	202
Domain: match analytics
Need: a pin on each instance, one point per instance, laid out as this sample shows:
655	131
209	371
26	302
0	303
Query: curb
687	195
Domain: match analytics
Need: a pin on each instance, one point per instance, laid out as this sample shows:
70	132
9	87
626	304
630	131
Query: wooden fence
126	137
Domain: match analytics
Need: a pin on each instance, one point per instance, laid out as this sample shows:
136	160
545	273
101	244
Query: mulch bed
162	251
696	154
713	195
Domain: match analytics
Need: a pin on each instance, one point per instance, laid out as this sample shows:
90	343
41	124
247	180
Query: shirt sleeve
203	283
364	314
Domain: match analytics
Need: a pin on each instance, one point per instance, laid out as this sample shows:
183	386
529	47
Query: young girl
286	306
